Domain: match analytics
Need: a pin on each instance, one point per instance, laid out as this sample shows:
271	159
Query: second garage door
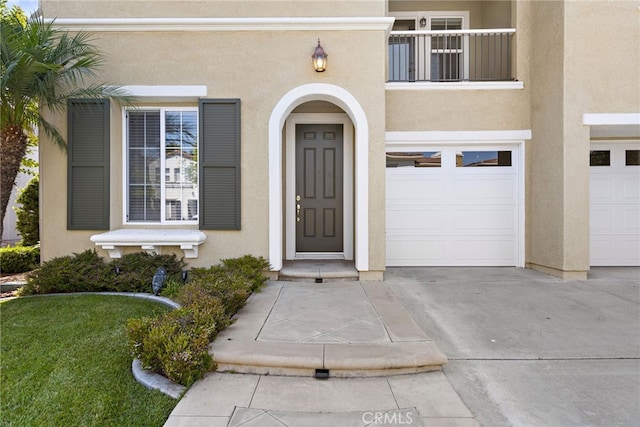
454	206
615	204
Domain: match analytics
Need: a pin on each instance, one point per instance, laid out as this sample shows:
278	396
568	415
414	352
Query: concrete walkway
523	348
528	349
352	329
383	369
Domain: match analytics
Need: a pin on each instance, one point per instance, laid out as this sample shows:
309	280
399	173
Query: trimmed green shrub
208	310
175	345
87	272
231	287
83	272
28	215
250	267
137	270
19	259
171	288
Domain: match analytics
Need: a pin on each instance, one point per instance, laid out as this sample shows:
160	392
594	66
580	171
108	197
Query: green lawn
64	362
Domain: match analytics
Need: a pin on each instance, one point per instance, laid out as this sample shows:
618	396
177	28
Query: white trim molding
479	140
409	140
225	24
343	99
150	240
610	119
501	85
166	93
613	125
290	173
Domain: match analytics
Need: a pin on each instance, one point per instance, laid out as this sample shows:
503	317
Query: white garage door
454	206
615	204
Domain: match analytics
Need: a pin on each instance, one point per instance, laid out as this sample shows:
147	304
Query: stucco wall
584	60
461	109
574	57
419	110
546	156
232	65
602	56
210	8
483	14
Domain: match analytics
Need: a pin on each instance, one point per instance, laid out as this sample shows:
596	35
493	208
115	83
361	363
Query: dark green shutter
88	165
219	164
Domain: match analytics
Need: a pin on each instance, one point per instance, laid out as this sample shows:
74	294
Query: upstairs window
446	49
429	46
165	140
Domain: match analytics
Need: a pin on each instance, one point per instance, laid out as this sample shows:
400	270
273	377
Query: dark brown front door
319	188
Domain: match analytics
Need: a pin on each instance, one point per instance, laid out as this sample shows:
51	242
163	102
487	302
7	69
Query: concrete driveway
528	349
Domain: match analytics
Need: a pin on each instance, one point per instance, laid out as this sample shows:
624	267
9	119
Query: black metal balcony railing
450	56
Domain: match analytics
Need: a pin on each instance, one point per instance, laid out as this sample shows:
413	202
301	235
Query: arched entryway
355	169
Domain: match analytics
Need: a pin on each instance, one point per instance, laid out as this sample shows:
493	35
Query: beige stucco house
441	133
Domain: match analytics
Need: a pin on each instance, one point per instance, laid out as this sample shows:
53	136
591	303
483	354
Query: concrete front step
318	271
341	360
243	348
317	278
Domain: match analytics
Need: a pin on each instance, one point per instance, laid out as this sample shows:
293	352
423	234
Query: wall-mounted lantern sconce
423	22
319	58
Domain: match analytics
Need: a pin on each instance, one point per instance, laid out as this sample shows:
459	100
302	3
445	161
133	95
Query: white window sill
506	85
150	240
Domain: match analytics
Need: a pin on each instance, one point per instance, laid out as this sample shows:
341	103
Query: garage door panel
401	186
601	188
414	250
461	251
631	251
602	250
411	219
470	252
452	216
631	188
631	220
615	209
616	250
484	220
602	220
487	189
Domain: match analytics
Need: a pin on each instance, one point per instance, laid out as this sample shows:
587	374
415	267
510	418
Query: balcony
479	55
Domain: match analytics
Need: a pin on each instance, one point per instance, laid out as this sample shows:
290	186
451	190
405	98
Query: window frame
418	70
163	164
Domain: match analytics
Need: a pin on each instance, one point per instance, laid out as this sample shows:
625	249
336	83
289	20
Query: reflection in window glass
632	157
483	158
147	153
600	158
414	159
446	50
181	141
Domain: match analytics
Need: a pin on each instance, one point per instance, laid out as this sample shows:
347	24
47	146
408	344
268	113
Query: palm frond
45	65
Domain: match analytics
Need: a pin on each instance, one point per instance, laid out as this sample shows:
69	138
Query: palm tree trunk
13	147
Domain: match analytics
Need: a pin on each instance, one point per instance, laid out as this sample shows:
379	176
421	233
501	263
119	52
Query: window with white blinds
162	165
